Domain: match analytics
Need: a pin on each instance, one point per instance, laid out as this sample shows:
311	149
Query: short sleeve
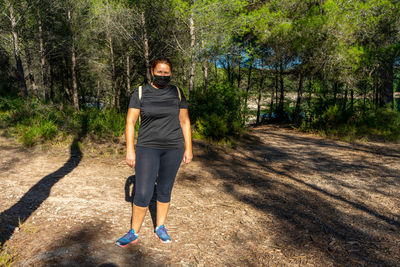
183	103
134	101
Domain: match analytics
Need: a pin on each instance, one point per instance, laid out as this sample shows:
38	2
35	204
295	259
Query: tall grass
106	123
369	124
33	122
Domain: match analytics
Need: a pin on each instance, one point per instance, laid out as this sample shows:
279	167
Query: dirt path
281	198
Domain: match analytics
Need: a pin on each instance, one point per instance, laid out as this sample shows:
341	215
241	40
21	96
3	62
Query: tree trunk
228	67
27	51
276	88
146	49
364	99
128	75
216	68
73	66
271	106
299	98
239	78
42	57
204	68
345	99
205	73
192	51
309	93
51	83
113	76
20	68
335	91
98	94
74	79
247	92
282	91
259	98
184	70
397	98
30	72
66	83
309	98
388	78
351	99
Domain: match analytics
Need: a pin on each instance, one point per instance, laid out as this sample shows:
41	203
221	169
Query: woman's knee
141	202
164	195
164	199
142	198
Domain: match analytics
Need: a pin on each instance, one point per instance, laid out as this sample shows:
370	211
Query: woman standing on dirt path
164	140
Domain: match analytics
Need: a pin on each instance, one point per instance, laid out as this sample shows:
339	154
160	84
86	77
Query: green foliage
31	120
48	129
375	124
34	122
106	122
29	135
333	116
216	112
8	103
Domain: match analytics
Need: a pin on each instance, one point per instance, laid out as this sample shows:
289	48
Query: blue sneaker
129	238
162	234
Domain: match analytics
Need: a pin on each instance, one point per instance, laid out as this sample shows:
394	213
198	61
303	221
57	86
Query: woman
164	139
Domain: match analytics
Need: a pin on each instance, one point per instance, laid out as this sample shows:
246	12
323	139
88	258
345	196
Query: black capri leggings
149	163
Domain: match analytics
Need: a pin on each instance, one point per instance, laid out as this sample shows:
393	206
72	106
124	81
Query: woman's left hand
187	156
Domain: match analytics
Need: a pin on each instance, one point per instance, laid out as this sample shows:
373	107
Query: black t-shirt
159	110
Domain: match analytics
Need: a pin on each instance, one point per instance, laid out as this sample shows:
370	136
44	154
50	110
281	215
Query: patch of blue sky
247	59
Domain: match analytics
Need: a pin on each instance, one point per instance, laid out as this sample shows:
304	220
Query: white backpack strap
140	97
179	93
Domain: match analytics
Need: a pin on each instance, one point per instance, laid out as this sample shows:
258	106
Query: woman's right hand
131	158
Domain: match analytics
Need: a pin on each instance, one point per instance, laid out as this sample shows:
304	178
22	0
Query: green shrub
116	122
332	115
34	121
373	123
10	103
106	123
30	136
48	130
216	112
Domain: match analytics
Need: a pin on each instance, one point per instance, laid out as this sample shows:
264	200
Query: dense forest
331	66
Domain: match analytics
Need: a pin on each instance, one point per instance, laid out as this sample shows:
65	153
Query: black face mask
161	81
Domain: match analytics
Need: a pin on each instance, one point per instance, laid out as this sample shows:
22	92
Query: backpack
140	95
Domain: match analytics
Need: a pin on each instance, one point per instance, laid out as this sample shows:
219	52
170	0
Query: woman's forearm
130	136
187	134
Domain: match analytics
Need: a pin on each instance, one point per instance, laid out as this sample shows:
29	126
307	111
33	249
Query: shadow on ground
87	246
345	229
17	214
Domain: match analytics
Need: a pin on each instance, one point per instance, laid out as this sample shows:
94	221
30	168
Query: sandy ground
280	198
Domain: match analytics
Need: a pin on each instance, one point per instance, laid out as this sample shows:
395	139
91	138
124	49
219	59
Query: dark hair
161	60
